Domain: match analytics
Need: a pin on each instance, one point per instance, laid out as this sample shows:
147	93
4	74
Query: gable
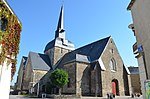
111	53
22	65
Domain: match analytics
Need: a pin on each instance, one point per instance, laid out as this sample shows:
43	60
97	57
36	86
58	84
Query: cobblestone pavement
119	97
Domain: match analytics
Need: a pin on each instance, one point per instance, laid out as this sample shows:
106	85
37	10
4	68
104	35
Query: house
141	48
10	29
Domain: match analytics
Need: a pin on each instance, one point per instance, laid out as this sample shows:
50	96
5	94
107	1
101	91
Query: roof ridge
92	43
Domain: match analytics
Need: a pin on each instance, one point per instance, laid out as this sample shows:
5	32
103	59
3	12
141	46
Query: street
118	97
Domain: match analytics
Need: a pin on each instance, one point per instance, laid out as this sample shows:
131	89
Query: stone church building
94	69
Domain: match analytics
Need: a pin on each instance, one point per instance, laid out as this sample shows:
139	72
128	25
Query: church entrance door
115	87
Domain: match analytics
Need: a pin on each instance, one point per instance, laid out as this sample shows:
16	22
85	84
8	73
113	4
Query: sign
140	48
147	86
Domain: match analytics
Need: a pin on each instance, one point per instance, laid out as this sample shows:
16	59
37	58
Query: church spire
60	32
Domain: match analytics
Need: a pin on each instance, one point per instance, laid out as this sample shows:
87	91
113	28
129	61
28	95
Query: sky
85	21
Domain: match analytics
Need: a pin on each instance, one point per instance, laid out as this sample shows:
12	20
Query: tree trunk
60	93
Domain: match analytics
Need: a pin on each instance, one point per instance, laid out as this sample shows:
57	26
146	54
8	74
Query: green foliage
59	78
24	93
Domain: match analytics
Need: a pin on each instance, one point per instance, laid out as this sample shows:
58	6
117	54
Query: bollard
108	96
132	95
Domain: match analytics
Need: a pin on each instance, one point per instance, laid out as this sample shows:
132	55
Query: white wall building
8	47
140	10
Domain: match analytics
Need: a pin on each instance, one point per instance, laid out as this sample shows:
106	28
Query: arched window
112	64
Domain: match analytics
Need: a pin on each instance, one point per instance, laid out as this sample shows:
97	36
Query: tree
59	78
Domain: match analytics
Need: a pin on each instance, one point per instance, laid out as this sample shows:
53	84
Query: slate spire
60	32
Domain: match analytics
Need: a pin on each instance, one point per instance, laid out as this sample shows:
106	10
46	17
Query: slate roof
58	42
24	60
40	61
88	53
133	70
50	45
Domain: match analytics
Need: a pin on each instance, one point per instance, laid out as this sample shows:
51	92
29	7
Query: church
94	69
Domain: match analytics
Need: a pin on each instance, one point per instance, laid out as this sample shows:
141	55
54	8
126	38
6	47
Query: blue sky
85	21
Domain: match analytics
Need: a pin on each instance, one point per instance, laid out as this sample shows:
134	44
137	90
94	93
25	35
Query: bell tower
60	45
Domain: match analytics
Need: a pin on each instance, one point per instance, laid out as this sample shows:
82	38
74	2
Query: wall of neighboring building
142	74
109	75
8	21
141	20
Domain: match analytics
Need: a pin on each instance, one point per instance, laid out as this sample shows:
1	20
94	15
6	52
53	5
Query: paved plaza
119	97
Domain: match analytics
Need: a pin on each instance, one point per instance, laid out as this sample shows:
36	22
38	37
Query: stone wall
82	78
37	75
71	69
56	53
31	77
28	75
96	82
79	74
20	77
135	83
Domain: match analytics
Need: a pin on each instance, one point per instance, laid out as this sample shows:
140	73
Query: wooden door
114	88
